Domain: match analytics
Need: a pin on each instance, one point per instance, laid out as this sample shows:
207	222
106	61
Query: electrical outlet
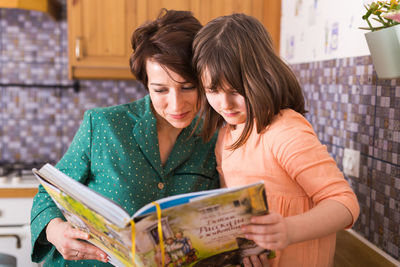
351	162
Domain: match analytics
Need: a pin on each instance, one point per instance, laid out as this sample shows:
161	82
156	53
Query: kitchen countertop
23	188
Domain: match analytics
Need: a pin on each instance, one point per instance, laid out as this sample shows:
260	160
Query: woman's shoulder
135	109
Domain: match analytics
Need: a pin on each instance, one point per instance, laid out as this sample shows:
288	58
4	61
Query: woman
137	152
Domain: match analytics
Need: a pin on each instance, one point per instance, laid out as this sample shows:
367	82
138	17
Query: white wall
315	30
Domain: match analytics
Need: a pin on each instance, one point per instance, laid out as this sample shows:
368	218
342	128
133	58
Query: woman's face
226	101
174	99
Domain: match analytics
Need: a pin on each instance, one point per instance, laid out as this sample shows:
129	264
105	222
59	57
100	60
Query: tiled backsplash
348	107
38	122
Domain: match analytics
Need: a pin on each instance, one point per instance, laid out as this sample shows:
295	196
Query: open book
197	229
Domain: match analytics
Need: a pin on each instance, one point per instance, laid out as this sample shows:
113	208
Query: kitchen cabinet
99	31
51	7
98	38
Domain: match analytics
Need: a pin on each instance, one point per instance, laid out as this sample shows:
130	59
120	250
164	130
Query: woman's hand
68	241
268	231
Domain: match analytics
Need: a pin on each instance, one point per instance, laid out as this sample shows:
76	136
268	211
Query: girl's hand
268	231
68	241
256	261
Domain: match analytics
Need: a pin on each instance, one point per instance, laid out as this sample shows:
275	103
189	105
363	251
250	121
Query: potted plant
384	37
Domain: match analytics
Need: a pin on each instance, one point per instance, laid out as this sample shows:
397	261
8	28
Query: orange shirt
298	173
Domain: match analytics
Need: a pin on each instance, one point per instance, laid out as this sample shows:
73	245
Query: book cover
198	229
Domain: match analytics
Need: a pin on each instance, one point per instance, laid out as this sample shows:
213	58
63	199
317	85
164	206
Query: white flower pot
384	46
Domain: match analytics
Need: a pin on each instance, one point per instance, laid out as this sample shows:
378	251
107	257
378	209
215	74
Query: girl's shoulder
288	126
288	119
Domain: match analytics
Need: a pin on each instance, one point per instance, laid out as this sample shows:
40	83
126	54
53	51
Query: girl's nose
225	101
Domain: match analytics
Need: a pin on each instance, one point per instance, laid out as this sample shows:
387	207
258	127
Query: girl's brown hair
168	41
236	50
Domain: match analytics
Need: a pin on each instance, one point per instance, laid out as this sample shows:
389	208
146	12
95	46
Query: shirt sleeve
298	150
76	164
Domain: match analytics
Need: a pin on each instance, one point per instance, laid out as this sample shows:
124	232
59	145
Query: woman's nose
175	101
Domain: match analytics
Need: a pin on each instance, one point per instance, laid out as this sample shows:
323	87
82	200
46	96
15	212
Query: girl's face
174	99
226	101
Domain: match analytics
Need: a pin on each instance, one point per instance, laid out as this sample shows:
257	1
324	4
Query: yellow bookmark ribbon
160	233
133	241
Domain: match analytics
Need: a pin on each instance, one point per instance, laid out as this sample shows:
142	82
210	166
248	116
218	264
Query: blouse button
160	186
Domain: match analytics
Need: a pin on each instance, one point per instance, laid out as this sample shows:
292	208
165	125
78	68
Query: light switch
351	162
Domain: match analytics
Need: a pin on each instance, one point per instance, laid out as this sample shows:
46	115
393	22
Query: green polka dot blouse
115	152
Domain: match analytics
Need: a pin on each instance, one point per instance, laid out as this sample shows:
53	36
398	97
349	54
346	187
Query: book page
203	232
112	239
97	202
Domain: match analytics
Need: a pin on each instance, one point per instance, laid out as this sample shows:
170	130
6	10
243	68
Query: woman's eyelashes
166	89
160	90
188	87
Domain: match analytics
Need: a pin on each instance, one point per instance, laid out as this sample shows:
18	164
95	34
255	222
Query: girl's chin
233	121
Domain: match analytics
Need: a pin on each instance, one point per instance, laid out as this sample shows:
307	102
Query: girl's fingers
272	242
271	218
260	229
247	262
255	261
264	238
264	259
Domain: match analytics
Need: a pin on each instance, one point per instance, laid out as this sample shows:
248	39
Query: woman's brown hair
168	41
237	51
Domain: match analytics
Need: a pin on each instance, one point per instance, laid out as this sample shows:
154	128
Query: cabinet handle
16	236
78	49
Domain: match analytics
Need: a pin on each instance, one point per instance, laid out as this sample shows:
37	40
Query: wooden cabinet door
99	38
205	10
266	11
150	9
99	31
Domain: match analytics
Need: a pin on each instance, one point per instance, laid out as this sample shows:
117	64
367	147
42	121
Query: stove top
18	175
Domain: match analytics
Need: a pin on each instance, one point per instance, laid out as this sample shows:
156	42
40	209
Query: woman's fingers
76	234
84	251
90	253
71	242
81	251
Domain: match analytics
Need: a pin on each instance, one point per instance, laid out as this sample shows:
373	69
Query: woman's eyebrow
158	84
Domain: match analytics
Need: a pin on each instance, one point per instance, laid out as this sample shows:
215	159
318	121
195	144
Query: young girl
255	99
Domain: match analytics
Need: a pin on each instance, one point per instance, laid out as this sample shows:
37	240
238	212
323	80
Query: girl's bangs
222	71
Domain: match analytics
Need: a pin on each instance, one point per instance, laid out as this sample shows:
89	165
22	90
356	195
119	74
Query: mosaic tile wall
349	107
38	119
